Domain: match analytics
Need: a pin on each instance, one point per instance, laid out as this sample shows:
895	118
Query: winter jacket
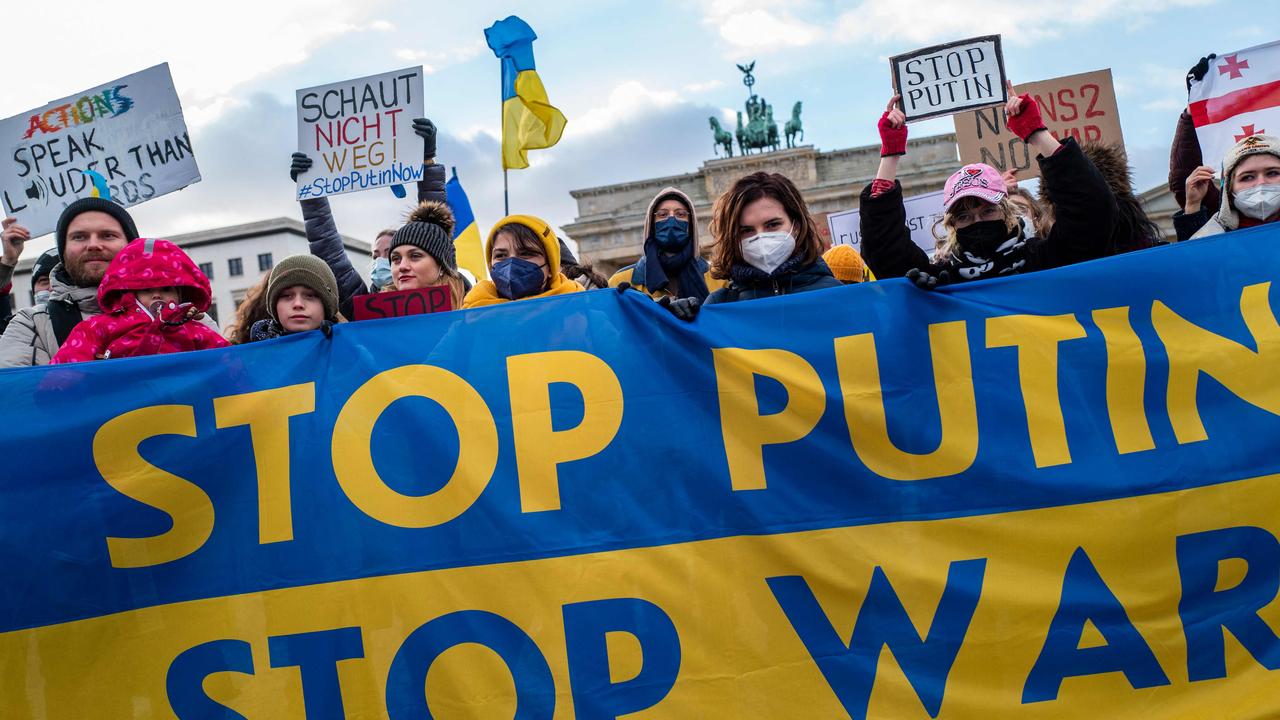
1184	157
326	242
6	274
1084	217
126	327
269	329
638	276
635	275
1201	223
486	292
748	283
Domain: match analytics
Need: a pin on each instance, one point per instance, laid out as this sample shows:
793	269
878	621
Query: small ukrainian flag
466	236
529	120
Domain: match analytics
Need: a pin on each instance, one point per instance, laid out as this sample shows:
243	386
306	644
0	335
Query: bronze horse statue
794	127
723	138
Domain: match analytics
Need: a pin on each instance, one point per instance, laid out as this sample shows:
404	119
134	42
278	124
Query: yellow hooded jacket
486	293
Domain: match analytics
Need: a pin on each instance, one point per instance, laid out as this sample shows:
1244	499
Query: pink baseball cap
979	180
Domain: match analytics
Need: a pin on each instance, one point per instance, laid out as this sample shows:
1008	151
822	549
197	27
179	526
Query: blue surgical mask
380	274
42	296
516	278
671	234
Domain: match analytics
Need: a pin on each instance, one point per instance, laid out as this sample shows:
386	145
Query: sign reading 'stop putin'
946	79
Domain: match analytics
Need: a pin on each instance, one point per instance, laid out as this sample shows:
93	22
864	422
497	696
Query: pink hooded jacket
126	328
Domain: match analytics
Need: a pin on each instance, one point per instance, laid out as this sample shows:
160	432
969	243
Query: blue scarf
655	270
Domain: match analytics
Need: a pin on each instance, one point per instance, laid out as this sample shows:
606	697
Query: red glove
1027	121
893	141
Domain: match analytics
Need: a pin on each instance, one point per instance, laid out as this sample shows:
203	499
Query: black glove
1198	70
623	286
426	130
301	163
683	308
926	281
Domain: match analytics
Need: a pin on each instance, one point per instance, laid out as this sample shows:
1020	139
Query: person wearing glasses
672	265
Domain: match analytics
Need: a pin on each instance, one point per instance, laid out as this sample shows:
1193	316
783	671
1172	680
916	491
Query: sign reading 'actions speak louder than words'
125	139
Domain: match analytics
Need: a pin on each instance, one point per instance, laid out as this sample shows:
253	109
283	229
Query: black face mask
982	238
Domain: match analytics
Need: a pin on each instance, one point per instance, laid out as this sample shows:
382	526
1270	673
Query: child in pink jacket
150	297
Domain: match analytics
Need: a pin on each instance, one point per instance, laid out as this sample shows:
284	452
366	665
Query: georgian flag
1238	97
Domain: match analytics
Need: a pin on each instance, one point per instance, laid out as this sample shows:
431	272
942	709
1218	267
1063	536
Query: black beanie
93	204
44	265
430	227
566	255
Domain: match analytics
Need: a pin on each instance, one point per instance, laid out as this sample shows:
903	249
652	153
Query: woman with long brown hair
767	244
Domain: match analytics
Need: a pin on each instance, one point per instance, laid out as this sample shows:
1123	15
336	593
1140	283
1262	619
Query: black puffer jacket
1084	208
748	283
326	241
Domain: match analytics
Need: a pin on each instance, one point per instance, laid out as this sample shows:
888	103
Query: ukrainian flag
529	120
466	236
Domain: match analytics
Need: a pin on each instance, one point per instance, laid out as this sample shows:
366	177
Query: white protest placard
946	79
130	132
922	212
359	133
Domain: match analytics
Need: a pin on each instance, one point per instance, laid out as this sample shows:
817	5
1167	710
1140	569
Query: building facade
609	228
235	258
610	224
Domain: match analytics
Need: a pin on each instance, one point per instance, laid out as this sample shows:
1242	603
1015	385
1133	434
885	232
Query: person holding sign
985	234
523	254
302	295
422	252
322	231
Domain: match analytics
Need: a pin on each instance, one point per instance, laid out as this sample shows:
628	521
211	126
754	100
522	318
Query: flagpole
502	137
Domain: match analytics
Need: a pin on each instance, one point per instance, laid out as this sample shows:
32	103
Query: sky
637	82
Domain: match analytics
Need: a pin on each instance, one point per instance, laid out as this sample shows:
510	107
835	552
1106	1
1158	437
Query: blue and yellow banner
529	120
1047	496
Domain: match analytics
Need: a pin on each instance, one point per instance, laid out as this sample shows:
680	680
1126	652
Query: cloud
215	48
436	60
630	99
701	87
918	22
760	25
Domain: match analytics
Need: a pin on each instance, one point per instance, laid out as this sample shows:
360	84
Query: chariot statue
756	131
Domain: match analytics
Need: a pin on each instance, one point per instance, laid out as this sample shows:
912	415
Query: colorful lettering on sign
106	104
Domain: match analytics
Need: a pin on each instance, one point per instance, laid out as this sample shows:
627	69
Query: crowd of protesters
108	291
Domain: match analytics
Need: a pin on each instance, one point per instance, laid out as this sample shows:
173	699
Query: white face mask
1258	202
767	251
42	296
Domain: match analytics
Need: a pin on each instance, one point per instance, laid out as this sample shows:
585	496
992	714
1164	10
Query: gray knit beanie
310	272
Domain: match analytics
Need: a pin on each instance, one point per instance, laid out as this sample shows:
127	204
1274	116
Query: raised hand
300	164
1197	186
14	238
893	129
426	130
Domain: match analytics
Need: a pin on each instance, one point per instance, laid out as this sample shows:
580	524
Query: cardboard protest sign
397	303
130	132
922	212
359	133
945	79
1080	106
